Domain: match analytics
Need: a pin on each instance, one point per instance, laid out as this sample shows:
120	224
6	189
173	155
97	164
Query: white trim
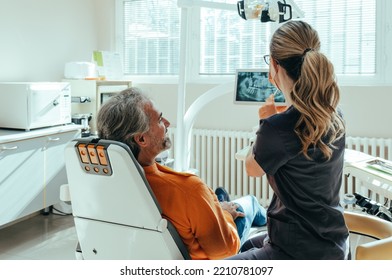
119	30
194	47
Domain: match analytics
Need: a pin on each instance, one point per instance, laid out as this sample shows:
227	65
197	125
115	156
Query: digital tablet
253	87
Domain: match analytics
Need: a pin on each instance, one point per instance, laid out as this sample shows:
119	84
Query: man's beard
166	143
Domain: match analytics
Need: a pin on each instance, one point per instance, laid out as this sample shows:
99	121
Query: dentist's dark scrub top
305	217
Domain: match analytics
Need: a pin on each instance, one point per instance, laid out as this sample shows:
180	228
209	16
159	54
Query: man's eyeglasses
267	59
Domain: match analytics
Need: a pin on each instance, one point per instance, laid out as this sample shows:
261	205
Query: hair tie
306	50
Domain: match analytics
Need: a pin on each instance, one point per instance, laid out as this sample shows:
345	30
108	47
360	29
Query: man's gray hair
123	116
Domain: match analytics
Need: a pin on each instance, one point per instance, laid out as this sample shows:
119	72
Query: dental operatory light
268	10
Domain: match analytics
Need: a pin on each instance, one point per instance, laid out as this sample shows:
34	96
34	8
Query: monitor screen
253	87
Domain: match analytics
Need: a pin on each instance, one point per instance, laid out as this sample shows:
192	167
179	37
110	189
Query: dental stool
115	211
374	227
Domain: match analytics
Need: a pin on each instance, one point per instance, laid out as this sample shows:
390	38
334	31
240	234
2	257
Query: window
151	37
347	31
228	42
222	41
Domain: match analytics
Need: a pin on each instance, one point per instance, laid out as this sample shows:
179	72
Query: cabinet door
21	178
32	172
54	165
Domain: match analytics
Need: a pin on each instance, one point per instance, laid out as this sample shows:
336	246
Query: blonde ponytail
315	92
316	96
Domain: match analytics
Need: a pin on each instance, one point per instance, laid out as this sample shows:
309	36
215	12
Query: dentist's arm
253	169
268	108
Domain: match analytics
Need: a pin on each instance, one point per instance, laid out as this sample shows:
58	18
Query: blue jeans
255	215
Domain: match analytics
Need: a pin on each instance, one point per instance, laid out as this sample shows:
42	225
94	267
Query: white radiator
379	147
212	154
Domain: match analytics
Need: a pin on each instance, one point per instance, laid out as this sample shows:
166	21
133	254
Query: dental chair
115	211
378	229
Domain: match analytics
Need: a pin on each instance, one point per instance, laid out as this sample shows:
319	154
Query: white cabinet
98	92
32	170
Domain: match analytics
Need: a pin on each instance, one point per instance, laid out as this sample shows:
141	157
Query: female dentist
301	150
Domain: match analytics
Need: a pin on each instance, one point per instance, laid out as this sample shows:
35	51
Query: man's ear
140	139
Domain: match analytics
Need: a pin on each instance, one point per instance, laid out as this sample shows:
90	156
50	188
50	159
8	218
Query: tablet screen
253	87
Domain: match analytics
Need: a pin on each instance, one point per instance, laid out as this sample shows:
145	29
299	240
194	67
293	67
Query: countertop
9	135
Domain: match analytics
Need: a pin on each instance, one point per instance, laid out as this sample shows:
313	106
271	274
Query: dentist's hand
268	108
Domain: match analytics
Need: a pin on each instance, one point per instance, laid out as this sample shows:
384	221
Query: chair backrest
115	211
371	226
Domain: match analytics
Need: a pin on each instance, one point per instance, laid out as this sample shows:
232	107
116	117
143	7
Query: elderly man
211	229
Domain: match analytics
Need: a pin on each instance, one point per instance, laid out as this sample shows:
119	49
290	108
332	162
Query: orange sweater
208	231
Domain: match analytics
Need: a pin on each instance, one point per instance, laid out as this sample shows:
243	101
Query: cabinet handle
8	148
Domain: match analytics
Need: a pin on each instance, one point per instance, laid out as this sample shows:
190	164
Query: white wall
39	36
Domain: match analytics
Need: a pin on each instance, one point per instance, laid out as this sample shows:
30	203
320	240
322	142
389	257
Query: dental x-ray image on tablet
253	87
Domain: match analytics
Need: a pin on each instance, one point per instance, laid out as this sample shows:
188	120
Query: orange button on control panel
83	153
93	154
102	155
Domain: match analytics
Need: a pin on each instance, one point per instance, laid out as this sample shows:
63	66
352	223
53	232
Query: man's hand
231	207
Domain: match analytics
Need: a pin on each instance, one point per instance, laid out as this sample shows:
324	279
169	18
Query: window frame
383	56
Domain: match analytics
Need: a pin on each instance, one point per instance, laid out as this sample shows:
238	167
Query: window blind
151	37
347	31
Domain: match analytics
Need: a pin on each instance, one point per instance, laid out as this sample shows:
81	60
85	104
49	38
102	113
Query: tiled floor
50	237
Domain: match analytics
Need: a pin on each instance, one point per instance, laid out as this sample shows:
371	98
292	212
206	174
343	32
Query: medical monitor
253	87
